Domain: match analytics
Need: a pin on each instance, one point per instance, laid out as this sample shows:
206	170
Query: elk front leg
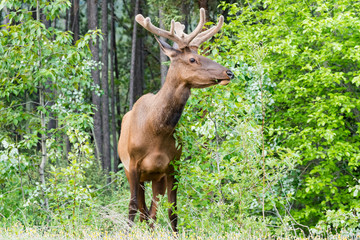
158	188
133	178
172	192
144	212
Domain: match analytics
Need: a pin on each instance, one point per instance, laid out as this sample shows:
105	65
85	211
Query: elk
147	145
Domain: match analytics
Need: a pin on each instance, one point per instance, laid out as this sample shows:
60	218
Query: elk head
187	66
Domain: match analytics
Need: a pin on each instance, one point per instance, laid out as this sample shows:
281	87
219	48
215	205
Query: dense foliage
227	174
313	58
39	63
274	152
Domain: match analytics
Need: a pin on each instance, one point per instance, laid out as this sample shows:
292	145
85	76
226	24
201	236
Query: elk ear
167	49
176	46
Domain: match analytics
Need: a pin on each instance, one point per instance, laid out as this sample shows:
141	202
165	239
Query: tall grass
141	231
110	223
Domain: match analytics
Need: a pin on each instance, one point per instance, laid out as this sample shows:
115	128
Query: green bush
229	180
43	76
313	58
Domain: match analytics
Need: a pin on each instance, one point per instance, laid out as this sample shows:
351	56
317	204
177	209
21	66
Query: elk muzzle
224	82
230	74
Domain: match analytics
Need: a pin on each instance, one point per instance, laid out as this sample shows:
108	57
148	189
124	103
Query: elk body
147	145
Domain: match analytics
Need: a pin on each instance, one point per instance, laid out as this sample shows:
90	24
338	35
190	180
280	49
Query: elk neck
170	102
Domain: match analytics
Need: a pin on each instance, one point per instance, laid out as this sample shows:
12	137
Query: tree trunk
74	20
50	94
95	73
117	88
185	10
105	87
204	4
118	108
46	22
137	63
6	19
140	66
163	57
66	148
113	93
67	20
42	122
116	62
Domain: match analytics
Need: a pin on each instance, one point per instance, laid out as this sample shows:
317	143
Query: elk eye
192	60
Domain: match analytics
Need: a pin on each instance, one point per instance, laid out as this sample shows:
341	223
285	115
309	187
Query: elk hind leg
172	192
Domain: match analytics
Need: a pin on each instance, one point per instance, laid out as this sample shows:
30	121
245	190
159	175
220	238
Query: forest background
275	153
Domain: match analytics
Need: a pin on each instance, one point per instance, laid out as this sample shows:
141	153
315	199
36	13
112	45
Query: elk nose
230	74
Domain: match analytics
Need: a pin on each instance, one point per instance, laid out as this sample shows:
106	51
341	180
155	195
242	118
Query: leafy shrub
313	59
43	77
228	178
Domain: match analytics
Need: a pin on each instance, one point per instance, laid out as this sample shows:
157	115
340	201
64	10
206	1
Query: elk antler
203	36
176	33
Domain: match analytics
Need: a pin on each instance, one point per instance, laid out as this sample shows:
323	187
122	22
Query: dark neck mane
169	104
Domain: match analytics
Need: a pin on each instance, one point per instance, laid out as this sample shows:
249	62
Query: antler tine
146	23
176	33
198	28
179	30
202	37
172	27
